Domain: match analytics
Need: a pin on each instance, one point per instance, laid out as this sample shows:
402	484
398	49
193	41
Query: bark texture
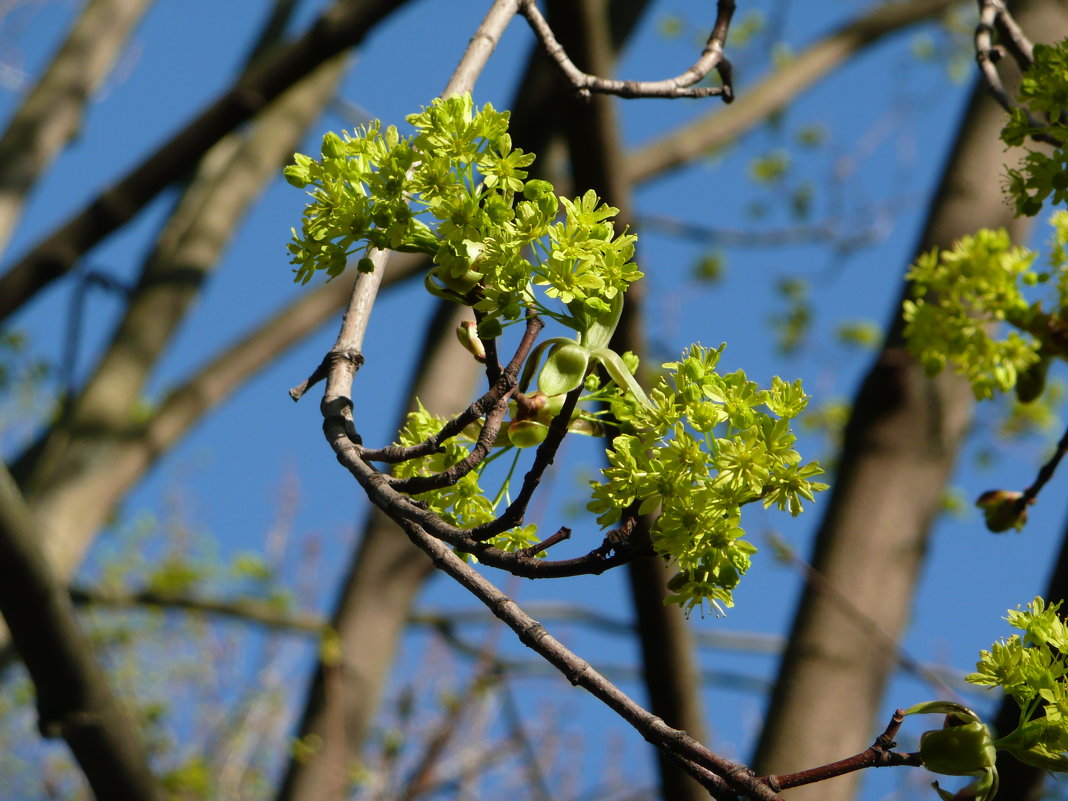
64	477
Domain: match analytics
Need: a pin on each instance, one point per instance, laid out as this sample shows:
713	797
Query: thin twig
721	775
879	755
1045	473
712	58
498	390
250	610
993	15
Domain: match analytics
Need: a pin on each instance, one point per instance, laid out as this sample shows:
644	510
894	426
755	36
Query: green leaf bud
333	146
1001	510
527	433
1032	381
958	750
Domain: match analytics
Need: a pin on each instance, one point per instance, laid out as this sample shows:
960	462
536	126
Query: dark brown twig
499	390
712	58
880	755
723	777
414	485
321	372
1045	473
564	533
543	457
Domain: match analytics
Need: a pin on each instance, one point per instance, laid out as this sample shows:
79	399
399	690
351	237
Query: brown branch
723	776
993	15
248	610
777	90
680	86
879	755
615	549
1045	473
543	457
414	485
341	26
498	391
74	700
358	313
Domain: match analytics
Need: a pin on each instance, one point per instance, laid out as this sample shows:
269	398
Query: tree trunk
900	448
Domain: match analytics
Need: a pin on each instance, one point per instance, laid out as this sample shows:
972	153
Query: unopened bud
468	335
1002	510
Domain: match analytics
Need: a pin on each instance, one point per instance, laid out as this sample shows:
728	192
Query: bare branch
249	610
776	90
721	775
993	15
879	755
712	58
358	314
1045	473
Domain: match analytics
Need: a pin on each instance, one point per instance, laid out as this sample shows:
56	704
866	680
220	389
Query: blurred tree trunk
50	115
667	651
900	447
64	476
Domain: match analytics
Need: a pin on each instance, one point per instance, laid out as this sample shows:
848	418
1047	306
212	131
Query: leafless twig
712	58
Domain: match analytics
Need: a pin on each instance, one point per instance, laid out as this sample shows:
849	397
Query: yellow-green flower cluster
457	190
1044	110
958	296
706	445
1033	671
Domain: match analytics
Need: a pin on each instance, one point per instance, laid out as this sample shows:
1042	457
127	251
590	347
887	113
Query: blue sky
888	118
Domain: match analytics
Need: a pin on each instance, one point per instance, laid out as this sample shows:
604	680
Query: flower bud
468	335
1001	510
527	433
